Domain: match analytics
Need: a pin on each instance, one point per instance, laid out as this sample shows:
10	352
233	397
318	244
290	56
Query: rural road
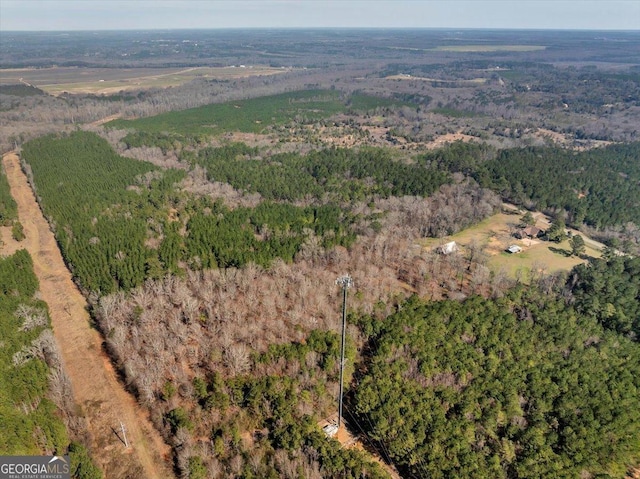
101	398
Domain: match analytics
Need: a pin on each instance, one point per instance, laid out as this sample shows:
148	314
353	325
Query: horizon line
531	29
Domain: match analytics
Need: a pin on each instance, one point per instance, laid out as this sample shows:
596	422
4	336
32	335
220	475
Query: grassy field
550	257
493	234
254	115
112	80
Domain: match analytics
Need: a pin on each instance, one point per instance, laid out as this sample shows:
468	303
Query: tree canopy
522	387
609	291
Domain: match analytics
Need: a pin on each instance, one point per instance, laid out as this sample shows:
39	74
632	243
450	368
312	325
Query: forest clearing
101	398
494	236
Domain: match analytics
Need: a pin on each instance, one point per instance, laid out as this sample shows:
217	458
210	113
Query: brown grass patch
8	245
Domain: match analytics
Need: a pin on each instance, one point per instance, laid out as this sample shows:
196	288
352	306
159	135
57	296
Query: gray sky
164	14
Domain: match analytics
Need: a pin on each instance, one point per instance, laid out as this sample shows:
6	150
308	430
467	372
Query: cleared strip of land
101	398
490	48
472	81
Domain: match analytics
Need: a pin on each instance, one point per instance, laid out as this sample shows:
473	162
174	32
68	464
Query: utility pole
124	435
345	282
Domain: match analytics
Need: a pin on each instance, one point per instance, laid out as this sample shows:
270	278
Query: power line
345	282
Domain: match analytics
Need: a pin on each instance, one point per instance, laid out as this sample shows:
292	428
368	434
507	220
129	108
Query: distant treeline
20	90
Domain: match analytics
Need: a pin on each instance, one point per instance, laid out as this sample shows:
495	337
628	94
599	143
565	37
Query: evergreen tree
557	231
528	219
577	245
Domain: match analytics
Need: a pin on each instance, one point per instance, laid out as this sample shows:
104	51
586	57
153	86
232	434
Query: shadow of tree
564	252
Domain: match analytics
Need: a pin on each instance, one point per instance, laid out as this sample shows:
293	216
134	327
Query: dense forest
609	290
252	116
520	387
240	172
529	385
33	387
112	218
340	174
589	186
82	186
584	185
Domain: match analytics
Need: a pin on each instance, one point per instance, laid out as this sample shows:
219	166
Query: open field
493	234
546	256
112	80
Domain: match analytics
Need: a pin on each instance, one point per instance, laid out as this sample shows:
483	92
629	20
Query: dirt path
101	398
106	119
348	440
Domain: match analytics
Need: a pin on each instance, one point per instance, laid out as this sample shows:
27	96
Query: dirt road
101	398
